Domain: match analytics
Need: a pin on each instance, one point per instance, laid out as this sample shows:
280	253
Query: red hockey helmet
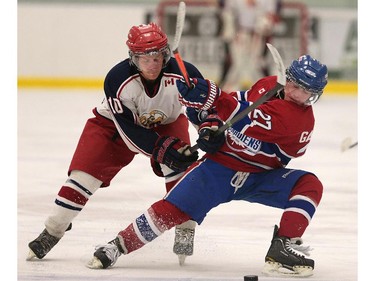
147	39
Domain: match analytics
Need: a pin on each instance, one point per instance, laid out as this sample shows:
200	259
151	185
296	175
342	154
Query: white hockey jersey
136	106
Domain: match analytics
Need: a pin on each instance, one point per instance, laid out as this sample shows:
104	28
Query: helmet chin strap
280	94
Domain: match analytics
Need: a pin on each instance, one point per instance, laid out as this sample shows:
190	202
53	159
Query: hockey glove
156	168
208	140
197	116
171	152
202	96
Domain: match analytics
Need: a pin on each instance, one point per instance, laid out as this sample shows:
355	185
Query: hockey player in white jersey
141	114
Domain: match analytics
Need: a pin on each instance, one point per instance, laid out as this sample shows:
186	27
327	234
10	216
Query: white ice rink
231	242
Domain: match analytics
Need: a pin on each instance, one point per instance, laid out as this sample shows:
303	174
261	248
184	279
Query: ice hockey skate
184	240
285	257
43	244
106	255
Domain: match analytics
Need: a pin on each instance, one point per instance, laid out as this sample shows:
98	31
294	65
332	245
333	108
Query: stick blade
347	143
281	77
181	11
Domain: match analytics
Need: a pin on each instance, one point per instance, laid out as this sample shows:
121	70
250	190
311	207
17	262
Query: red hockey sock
292	225
168	214
161	216
303	200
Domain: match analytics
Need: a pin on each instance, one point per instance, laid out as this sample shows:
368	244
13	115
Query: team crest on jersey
152	119
242	143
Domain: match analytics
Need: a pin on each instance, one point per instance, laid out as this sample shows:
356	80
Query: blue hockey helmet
309	74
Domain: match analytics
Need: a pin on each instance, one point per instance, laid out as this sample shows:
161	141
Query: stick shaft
353	145
181	66
244	113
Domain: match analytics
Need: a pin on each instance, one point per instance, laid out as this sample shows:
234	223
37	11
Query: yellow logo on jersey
152	119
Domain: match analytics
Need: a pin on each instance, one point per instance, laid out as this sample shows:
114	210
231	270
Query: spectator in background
227	33
248	25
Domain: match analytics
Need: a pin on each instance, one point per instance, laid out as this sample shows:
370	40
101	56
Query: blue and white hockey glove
208	140
171	152
197	116
202	96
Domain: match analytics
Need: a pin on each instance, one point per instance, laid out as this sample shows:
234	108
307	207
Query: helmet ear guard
147	39
309	74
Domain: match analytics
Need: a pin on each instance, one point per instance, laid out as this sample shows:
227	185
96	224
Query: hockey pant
208	184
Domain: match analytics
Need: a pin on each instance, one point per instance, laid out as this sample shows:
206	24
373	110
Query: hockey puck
250	278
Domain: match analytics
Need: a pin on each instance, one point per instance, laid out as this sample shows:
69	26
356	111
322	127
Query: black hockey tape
250	278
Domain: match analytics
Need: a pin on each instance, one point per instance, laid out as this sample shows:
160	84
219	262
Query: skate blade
94	263
31	256
345	144
181	259
275	269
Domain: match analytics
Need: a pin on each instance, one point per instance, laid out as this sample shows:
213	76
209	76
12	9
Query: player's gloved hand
208	140
197	116
174	153
202	96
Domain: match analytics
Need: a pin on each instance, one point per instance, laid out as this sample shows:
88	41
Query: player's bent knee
169	214
85	180
309	185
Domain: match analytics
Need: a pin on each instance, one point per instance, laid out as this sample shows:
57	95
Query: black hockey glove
208	140
171	152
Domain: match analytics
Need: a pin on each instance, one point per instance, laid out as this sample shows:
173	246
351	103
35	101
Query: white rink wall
84	40
73	40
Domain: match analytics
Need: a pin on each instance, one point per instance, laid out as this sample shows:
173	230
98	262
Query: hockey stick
177	37
348	144
281	81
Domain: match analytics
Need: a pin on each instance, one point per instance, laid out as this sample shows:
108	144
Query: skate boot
286	257
106	255
43	244
184	240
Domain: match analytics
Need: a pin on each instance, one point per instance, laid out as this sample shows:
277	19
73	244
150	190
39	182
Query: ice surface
231	242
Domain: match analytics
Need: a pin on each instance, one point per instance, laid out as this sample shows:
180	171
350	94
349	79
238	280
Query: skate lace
295	246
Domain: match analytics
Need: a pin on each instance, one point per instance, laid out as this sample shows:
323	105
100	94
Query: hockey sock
70	200
300	209
160	217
